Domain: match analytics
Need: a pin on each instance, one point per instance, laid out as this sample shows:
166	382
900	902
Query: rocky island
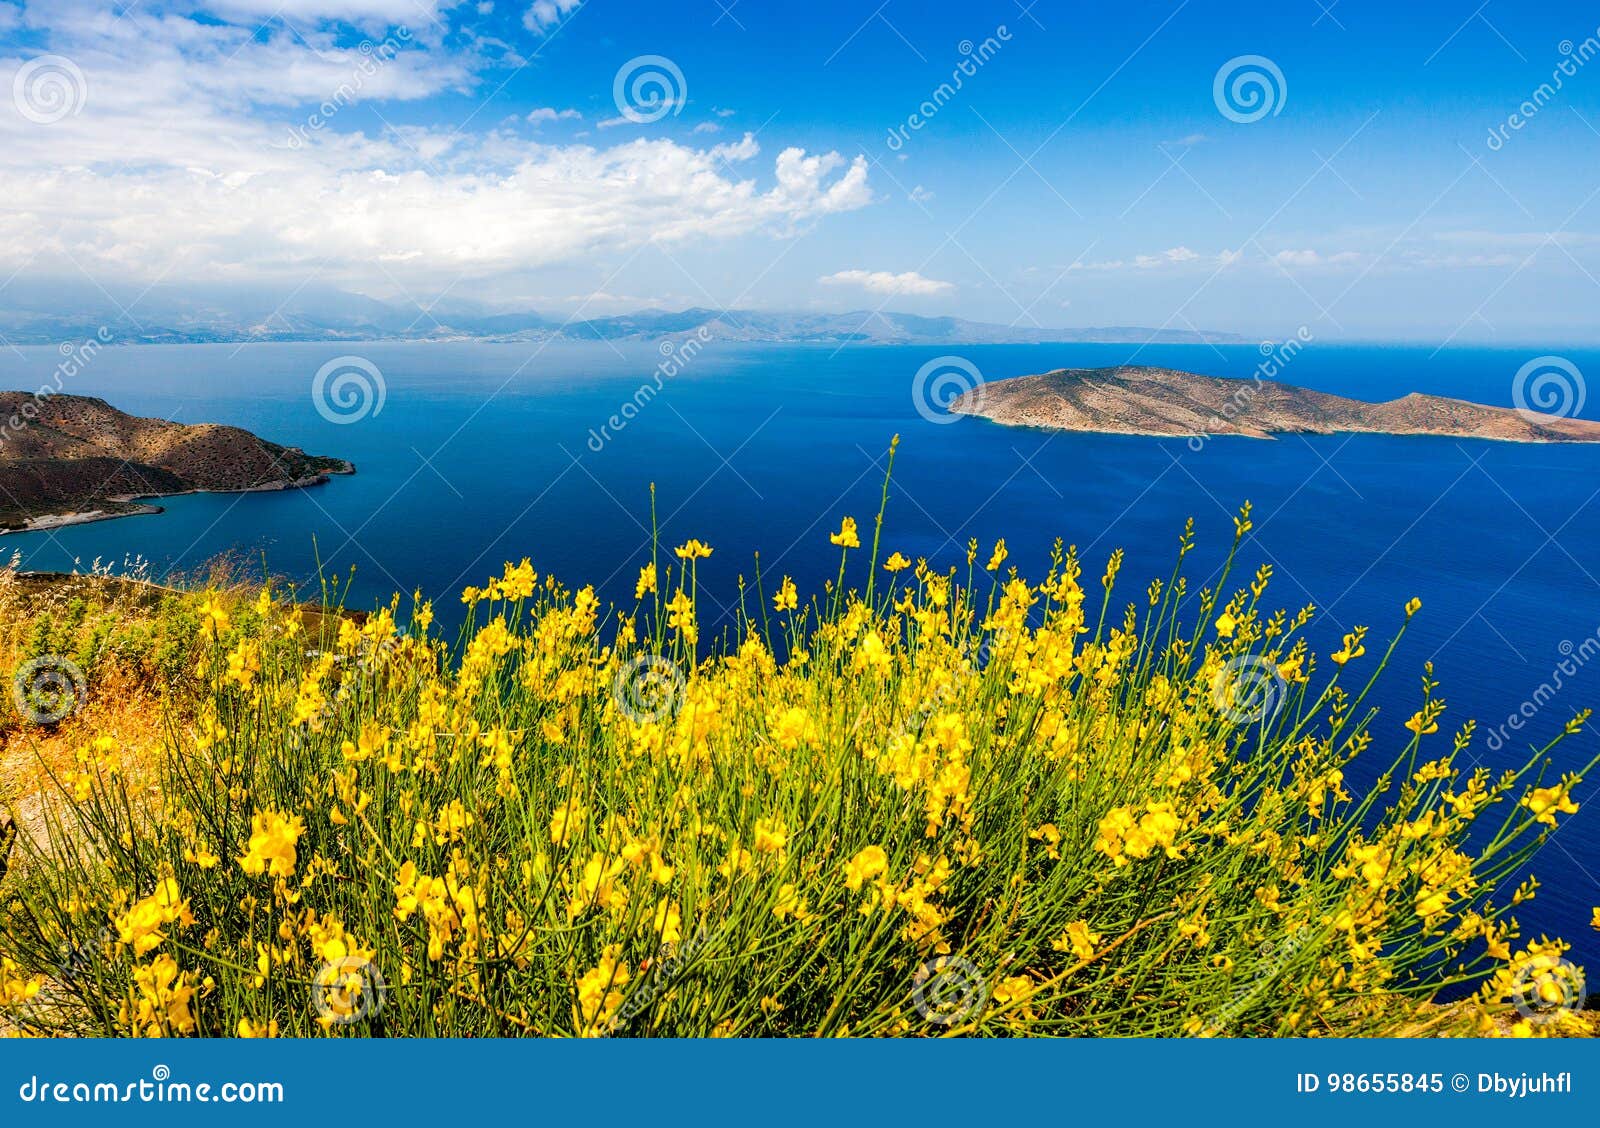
1138	400
69	459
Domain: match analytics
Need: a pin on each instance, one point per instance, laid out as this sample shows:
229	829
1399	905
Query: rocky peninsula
68	459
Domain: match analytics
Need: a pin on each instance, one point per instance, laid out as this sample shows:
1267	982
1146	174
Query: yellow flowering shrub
1110	818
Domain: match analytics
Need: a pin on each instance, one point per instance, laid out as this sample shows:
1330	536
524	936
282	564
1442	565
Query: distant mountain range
163	317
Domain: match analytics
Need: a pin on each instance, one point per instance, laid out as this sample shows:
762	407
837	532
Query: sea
470	454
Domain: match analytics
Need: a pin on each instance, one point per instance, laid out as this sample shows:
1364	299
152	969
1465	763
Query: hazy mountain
65	312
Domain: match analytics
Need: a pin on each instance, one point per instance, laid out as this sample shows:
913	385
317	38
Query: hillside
78	458
1162	401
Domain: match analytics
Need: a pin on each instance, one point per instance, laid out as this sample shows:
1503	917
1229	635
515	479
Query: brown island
69	459
1137	400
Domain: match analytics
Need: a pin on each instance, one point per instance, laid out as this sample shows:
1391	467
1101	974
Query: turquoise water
485	452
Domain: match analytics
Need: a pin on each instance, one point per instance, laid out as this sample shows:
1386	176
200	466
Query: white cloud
1177	258
886	282
549	113
1310	258
707	127
546	15
194	157
1172	257
920	195
722	112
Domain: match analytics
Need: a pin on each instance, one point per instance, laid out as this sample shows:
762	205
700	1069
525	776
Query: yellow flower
1013	992
1595	922
846	536
599	994
213	617
771	836
1225	625
790	904
792	728
141	926
1412	607
668	922
1050	835
244	663
1122	836
162	1004
786	599
868	863
896	563
1352	649
272	844
1077	938
693	550
248	1029
1421	725
998	556
1548	802
566	822
647	581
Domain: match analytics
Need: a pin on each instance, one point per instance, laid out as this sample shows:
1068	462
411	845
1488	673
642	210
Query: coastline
47	521
1269	436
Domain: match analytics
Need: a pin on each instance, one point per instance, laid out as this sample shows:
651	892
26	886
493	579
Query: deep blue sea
485	452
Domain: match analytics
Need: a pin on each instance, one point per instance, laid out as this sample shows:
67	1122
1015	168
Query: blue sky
1086	172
